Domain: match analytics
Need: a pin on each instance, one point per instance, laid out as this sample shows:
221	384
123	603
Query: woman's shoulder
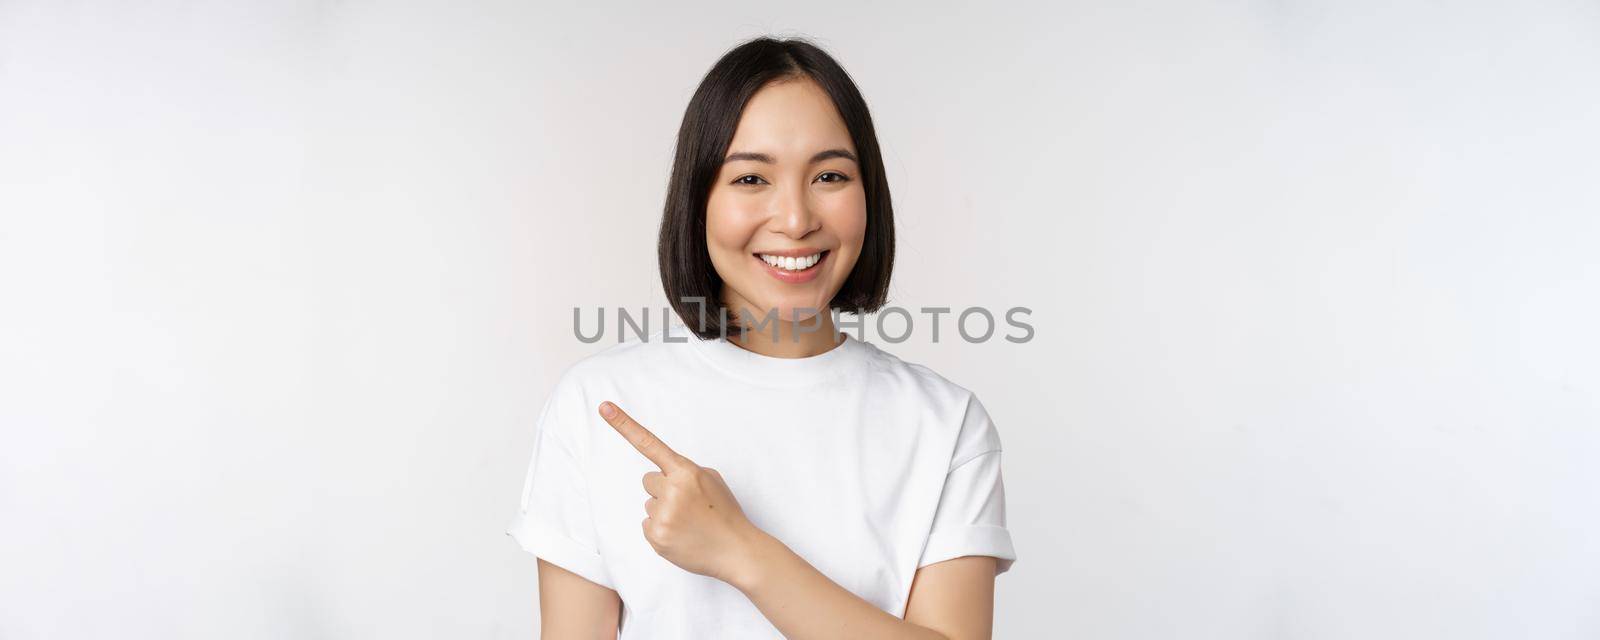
957	406
632	353
916	376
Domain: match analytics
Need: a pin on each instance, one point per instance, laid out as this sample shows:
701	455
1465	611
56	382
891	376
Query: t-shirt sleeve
971	516
554	520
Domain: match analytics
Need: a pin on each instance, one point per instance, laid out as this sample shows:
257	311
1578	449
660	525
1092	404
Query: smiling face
787	214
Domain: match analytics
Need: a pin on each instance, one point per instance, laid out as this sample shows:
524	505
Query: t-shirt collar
765	370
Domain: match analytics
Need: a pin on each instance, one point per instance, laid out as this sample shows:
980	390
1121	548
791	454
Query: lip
793	277
793	253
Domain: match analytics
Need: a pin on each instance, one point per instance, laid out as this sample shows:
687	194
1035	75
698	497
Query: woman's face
788	193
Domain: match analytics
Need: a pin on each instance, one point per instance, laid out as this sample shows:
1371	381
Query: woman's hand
692	518
695	523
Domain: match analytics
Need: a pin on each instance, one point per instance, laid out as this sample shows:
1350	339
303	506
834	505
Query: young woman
756	473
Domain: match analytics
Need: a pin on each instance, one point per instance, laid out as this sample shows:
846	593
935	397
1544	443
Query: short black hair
708	127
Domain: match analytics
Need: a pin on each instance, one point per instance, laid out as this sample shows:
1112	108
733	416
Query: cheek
728	231
847	217
849	221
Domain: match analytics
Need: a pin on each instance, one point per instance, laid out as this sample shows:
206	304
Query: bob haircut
693	287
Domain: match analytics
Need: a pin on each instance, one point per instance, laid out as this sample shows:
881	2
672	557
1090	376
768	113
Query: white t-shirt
867	466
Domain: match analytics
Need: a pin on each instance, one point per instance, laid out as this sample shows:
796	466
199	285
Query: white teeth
790	263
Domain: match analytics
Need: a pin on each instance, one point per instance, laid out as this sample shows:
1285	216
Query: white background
1315	285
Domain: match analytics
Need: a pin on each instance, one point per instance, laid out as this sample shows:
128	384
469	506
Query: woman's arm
950	600
956	597
571	607
694	521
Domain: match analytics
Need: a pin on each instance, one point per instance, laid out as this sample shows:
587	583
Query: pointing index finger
641	438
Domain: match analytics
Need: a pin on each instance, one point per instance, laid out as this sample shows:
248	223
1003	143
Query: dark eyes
747	179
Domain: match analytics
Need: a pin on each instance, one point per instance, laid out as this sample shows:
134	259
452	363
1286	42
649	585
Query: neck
786	338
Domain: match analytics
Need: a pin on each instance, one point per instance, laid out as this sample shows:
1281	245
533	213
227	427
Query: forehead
792	117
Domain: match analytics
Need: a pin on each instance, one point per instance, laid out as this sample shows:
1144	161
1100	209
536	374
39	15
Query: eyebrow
762	157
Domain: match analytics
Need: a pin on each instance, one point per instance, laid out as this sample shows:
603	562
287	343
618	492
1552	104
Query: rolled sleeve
559	549
555	521
971	517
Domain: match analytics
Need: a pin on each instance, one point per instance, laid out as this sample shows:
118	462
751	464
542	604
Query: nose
794	217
